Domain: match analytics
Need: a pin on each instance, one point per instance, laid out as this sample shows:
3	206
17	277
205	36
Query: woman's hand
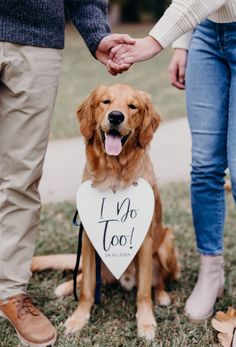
177	68
104	49
143	49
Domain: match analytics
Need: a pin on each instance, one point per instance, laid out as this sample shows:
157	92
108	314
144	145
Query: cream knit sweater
184	15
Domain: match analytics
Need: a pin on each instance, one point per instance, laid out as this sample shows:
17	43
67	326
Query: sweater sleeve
183	41
182	16
90	19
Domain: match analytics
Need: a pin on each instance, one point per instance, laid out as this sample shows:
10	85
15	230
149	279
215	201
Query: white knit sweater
184	15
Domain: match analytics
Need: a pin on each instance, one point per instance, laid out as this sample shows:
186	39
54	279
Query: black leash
234	332
79	249
76	269
98	279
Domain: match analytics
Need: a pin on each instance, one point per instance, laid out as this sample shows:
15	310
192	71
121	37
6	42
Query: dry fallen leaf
225	324
222	316
225	339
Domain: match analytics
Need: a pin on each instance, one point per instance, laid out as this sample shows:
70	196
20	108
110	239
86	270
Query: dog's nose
116	117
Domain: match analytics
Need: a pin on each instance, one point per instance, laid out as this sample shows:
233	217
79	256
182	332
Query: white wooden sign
116	223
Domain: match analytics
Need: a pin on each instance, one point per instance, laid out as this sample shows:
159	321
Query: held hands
142	49
104	50
177	68
119	51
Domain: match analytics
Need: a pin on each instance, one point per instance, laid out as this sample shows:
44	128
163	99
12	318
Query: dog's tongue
113	145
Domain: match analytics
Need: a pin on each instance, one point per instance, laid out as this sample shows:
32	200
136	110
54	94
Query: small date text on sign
116	223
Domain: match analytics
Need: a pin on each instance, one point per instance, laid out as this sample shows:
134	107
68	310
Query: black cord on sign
74	220
98	278
79	249
234	332
76	269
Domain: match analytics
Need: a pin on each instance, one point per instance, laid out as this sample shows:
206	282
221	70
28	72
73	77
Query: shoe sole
27	343
198	320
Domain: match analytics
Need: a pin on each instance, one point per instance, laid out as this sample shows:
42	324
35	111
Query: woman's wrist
154	44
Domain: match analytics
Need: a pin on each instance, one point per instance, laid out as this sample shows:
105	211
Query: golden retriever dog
118	123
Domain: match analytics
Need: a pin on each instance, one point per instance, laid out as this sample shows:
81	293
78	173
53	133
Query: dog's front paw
71	326
147	327
147	331
74	324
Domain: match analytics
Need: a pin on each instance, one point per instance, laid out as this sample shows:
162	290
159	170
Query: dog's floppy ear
85	114
151	120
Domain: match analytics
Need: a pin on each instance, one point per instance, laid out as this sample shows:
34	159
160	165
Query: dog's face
118	114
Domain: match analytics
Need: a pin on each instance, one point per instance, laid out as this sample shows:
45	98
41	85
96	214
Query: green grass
81	73
112	324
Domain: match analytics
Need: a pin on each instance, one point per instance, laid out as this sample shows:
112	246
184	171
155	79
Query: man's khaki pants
28	87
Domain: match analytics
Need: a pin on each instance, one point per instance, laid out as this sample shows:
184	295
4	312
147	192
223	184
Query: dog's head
118	115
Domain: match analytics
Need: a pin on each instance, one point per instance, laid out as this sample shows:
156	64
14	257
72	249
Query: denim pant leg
231	138
207	91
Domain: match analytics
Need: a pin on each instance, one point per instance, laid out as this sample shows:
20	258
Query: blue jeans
211	107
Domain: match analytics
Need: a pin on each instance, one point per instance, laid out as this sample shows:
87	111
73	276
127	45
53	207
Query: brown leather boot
32	327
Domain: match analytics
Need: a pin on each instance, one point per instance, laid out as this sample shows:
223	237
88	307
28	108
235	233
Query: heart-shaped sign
116	223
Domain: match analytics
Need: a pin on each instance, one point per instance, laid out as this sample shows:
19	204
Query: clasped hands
120	51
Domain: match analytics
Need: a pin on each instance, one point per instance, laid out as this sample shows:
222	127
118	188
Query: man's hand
143	49
104	49
177	68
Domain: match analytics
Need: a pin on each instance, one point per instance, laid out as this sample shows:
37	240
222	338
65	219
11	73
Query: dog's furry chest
115	175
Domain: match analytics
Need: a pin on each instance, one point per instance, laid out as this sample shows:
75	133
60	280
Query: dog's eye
132	106
106	101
